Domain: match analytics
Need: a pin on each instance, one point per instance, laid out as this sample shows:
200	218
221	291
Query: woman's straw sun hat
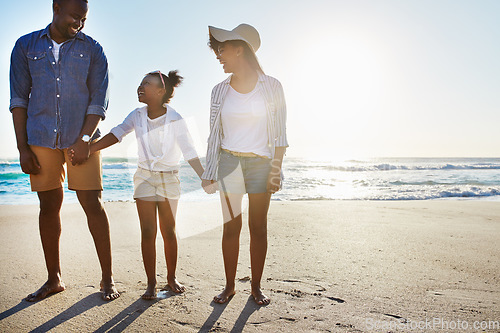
244	32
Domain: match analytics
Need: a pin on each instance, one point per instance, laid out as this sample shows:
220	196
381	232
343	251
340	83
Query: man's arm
20	88
27	159
97	82
98	89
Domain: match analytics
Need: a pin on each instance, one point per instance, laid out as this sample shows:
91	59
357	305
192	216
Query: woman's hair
172	80
249	55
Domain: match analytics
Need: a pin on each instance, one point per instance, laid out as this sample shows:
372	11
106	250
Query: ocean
365	179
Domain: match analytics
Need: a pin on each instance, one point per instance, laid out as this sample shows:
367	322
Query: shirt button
57	79
58	96
55	130
81	55
53	63
50	47
35	58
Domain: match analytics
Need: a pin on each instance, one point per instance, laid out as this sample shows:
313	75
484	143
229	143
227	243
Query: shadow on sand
250	307
76	309
122	320
117	323
214	316
21	306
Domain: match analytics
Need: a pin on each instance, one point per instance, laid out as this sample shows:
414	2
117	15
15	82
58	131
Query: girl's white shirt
159	146
244	120
156	129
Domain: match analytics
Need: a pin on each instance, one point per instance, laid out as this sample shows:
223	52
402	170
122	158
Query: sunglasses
161	77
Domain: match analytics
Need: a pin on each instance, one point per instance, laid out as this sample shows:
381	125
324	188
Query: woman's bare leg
231	212
257	221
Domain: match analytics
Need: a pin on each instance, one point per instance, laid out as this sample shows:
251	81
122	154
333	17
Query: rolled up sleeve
98	81
20	78
281	139
184	139
127	126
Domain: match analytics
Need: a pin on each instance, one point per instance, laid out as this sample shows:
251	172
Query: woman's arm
280	121
213	147
274	178
106	141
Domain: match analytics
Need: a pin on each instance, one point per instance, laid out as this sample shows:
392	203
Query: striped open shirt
276	120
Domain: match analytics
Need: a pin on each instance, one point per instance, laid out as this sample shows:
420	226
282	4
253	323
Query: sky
362	78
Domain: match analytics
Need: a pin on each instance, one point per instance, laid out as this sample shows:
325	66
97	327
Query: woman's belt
240	154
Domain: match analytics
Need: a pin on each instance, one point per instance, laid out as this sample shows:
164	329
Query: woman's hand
274	180
209	186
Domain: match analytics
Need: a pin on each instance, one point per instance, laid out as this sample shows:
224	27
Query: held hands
209	186
29	162
79	152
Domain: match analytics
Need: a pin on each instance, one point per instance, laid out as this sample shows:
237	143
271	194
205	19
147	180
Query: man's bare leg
99	228
50	232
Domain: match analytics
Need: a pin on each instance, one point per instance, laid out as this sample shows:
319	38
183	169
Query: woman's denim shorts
241	175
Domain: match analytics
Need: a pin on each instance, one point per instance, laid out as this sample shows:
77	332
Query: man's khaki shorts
86	176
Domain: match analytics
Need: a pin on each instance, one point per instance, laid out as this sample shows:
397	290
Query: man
59	84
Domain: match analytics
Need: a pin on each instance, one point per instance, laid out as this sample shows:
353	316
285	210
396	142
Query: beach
332	266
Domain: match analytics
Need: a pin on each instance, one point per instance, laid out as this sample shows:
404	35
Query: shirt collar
46	32
144	109
261	78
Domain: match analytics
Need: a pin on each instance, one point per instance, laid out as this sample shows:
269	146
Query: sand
332	266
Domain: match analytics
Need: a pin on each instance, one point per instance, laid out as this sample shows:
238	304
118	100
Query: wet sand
332	266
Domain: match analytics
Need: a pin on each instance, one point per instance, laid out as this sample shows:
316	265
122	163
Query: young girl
161	136
245	149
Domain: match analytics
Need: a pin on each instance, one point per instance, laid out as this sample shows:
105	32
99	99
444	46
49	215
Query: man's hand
209	186
29	162
79	152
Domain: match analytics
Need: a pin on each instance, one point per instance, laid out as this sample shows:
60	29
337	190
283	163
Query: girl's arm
106	141
187	147
196	165
186	144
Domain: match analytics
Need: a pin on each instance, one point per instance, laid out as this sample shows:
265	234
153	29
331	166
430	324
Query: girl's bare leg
147	217
166	211
257	221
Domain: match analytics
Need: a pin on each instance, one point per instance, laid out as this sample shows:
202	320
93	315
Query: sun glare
349	76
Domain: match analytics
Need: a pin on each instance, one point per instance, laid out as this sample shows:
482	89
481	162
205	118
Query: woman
246	146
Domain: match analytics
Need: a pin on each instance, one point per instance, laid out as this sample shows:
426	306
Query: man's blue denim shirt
58	95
